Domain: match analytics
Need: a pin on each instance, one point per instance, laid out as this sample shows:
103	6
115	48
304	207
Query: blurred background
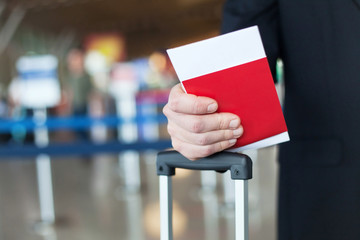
82	86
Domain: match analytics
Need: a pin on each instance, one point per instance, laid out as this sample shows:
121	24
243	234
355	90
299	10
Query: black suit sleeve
239	14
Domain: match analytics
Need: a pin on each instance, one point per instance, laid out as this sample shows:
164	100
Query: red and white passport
233	69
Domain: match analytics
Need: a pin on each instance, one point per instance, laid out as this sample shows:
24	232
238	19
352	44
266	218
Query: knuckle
190	156
203	140
173	104
176	144
170	130
223	145
197	106
222	123
207	150
227	134
197	125
165	110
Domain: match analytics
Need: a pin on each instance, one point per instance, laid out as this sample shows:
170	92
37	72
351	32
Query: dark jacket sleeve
239	14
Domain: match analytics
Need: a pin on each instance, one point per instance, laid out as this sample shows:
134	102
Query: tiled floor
92	203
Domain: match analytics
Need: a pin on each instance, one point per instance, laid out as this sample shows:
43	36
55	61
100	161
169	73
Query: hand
195	129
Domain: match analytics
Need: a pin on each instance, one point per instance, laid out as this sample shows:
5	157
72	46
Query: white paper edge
280	138
217	53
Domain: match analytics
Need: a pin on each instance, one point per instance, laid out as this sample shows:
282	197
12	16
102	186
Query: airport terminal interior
82	87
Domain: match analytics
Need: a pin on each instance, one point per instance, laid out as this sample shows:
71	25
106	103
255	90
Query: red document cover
233	69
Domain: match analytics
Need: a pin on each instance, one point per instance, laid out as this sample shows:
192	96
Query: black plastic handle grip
240	165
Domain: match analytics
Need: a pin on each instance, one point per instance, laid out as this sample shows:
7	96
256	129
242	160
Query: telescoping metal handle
240	166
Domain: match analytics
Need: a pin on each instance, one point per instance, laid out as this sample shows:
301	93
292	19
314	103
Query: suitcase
240	166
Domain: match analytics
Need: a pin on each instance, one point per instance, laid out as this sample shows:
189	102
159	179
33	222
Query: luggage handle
240	165
241	169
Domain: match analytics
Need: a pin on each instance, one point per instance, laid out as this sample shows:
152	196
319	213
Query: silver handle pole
165	189
241	210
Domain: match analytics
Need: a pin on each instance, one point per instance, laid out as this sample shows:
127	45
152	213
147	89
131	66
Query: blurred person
78	82
3	103
318	42
14	97
78	85
98	109
16	111
4	114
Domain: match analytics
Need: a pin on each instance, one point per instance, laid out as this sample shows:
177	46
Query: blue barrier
79	148
78	122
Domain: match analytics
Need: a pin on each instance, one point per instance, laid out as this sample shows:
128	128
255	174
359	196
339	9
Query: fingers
193	152
203	139
203	123
196	130
181	102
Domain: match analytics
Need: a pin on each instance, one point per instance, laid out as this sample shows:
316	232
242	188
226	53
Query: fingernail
234	123
232	141
237	133
212	108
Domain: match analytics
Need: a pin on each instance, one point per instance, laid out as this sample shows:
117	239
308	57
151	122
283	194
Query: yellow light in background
111	45
152	220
